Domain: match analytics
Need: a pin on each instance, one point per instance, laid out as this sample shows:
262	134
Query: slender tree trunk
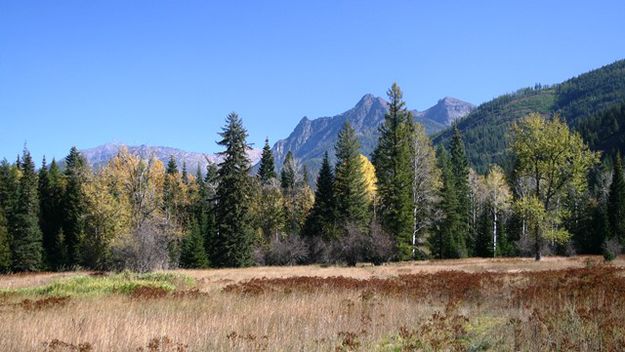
494	232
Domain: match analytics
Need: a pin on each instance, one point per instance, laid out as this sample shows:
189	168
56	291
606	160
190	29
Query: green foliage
51	188
26	239
74	205
460	173
557	162
287	175
446	242
5	244
605	131
350	192
394	171
233	242
576	100
322	219
267	169
616	202
193	253
123	283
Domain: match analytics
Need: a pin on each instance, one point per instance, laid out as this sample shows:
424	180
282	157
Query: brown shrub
44	303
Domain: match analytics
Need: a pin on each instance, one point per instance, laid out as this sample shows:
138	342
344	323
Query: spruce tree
27	249
208	195
460	172
350	190
172	166
5	245
445	242
394	171
9	184
288	173
267	169
235	234
616	202
193	254
185	174
322	219
74	205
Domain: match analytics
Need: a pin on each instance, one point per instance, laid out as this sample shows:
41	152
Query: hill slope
576	99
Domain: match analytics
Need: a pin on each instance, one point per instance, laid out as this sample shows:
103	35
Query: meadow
557	304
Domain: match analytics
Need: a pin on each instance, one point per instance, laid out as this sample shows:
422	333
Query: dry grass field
558	304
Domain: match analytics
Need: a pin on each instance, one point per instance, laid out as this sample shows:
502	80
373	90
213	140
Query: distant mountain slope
100	155
312	138
485	129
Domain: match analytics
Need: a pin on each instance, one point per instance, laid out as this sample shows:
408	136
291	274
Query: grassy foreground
558	304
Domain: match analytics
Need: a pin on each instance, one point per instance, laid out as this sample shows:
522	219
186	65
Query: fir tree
74	205
27	249
460	172
208	195
235	234
287	175
394	171
616	202
350	190
444	244
5	245
172	166
50	214
193	254
322	219
185	174
267	170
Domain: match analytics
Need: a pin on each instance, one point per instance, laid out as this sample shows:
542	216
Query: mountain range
312	138
592	103
100	155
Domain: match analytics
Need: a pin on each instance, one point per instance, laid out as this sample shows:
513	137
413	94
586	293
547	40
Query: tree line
409	200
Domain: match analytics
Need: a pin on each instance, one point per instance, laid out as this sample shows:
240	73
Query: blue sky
168	72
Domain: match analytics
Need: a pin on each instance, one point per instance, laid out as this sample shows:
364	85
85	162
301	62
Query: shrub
290	250
611	249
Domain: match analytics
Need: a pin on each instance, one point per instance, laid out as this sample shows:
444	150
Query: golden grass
483	304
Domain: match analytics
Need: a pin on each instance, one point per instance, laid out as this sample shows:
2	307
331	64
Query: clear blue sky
167	72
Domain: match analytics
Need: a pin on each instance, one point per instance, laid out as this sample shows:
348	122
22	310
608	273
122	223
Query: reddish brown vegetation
44	303
163	344
60	346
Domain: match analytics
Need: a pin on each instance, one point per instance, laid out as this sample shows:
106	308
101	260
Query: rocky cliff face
312	138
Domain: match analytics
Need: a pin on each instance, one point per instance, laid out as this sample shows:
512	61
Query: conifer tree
172	166
208	195
5	245
445	243
8	190
393	164
322	219
193	254
350	190
185	174
288	173
235	234
50	214
74	205
27	249
616	201
267	170
460	172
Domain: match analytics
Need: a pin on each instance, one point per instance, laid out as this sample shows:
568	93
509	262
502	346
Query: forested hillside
575	100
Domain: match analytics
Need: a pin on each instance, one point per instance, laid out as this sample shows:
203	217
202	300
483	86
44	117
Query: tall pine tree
445	242
288	173
394	171
267	169
27	248
322	219
5	244
616	201
235	234
51	215
350	190
460	172
74	205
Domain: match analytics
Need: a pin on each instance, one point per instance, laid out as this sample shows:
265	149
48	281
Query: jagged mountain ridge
312	138
100	155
